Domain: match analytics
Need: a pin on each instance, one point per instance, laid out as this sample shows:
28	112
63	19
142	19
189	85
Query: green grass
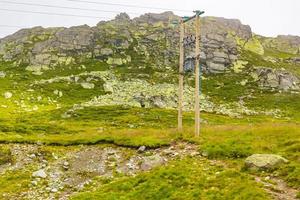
223	88
233	142
228	139
13	183
184	179
5	155
222	137
286	102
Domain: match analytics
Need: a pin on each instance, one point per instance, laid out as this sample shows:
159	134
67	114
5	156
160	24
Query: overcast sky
266	17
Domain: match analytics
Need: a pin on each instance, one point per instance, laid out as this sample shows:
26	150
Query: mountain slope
66	91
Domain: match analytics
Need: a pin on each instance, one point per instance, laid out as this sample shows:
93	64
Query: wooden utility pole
197	71
197	77
180	88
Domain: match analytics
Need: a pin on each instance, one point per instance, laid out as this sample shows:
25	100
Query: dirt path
277	188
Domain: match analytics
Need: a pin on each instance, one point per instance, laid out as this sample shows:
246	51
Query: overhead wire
129	5
75	8
66	7
55	14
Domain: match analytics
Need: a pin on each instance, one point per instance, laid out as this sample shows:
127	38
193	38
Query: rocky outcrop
219	45
149	36
276	79
151	41
152	18
284	43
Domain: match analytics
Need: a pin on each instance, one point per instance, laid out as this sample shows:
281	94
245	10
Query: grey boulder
264	161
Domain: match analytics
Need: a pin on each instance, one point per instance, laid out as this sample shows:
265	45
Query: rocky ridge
43	49
137	61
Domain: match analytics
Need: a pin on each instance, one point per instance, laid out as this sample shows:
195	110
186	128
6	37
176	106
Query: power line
65	7
55	14
128	5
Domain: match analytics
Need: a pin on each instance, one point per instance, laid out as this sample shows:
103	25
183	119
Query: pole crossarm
197	13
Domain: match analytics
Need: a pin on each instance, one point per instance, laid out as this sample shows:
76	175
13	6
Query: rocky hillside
134	62
90	112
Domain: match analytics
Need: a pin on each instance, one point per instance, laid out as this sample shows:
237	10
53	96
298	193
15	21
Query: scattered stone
2	74
54	156
54	190
34	183
66	165
58	93
195	153
264	161
40	173
8	95
204	154
32	156
88	85
115	61
141	149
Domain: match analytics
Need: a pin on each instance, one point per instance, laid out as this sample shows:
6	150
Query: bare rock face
277	79
19	44
219	47
150	36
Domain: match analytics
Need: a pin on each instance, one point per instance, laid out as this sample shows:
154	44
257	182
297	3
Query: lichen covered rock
254	46
276	79
264	161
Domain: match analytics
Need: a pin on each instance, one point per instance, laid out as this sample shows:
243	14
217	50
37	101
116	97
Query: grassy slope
204	180
222	137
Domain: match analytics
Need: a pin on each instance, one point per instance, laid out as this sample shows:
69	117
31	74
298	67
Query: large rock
277	79
264	161
151	162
